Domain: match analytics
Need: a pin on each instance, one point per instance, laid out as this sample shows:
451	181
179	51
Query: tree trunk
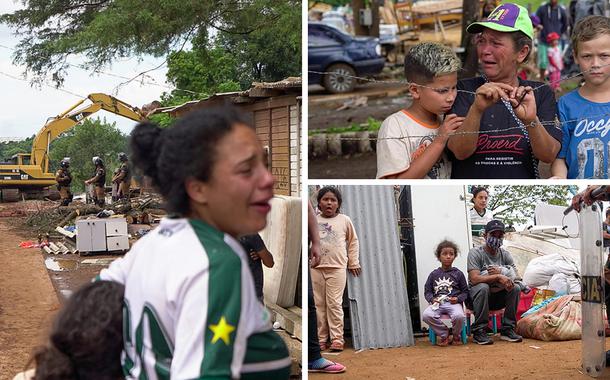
375	13
470	13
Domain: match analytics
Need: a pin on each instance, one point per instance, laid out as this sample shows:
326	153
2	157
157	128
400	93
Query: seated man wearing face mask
492	290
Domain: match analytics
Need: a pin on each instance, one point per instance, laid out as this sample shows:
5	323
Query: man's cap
507	17
494	225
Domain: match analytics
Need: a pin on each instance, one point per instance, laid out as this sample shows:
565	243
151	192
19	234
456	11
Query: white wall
439	212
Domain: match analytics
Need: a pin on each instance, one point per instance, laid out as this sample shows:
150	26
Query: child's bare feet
456	341
443	342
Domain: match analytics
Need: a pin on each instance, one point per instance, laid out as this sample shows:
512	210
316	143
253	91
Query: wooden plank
280	129
289	320
280	135
280	121
275	142
281	149
280	164
280	112
280	156
263	130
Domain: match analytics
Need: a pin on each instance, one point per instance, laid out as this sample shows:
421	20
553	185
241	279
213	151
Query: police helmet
122	157
97	161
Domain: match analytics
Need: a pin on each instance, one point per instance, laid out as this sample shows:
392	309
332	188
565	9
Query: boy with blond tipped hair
585	112
411	142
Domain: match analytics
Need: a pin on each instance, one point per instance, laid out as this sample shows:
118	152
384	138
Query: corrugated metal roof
378	298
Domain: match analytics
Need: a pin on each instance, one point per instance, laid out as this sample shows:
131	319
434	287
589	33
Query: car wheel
339	78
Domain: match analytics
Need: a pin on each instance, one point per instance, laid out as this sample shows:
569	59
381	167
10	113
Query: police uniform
64	178
124	182
99	181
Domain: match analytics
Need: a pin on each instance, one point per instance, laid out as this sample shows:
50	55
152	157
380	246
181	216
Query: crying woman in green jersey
191	310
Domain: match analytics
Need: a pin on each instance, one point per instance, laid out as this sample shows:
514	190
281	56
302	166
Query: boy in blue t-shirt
585	112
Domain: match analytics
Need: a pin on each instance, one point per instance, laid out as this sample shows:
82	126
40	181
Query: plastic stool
493	318
463	335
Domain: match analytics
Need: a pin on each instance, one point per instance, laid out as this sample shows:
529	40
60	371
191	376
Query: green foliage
94	137
204	72
230	62
8	149
103	30
516	204
334	3
371	125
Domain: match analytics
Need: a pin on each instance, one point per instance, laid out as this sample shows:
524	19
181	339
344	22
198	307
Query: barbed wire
406	82
556	123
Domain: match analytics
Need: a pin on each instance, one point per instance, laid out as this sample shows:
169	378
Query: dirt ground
27	301
502	360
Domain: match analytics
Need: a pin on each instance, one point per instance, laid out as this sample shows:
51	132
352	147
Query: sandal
336	346
324	365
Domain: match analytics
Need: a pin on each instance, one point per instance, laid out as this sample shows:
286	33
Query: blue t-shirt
586	136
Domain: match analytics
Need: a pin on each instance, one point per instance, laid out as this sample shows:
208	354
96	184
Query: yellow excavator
27	174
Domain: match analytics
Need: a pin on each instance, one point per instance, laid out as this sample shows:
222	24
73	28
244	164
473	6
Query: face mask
494	242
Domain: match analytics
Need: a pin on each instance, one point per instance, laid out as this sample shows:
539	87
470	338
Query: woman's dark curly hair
186	149
333	190
446	244
87	336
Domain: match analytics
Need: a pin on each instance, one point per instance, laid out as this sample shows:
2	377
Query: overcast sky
25	108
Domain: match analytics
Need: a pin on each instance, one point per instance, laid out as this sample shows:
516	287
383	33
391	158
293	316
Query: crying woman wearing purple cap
509	121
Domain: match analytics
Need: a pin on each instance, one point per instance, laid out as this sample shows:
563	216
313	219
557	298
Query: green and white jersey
191	310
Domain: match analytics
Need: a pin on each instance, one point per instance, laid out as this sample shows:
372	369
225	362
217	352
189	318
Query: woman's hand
489	94
524	103
355	272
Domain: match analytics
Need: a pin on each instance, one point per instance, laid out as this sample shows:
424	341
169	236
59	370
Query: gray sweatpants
484	300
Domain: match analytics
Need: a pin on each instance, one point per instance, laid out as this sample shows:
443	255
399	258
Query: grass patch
371	125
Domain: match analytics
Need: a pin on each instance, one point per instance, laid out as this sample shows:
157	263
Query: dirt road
27	301
502	360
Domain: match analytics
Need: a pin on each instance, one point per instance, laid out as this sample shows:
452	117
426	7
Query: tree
516	204
103	30
94	137
10	148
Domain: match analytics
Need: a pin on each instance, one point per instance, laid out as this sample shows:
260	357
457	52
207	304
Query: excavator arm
74	115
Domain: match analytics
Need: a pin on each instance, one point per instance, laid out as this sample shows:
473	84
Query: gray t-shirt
480	260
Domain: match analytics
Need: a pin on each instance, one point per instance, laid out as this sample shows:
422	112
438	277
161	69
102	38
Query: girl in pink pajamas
338	255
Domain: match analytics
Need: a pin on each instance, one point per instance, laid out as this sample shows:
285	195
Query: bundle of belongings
558	318
557	272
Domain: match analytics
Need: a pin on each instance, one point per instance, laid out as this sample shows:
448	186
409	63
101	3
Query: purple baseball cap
507	17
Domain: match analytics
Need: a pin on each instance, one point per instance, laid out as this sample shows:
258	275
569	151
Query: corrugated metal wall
379	306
